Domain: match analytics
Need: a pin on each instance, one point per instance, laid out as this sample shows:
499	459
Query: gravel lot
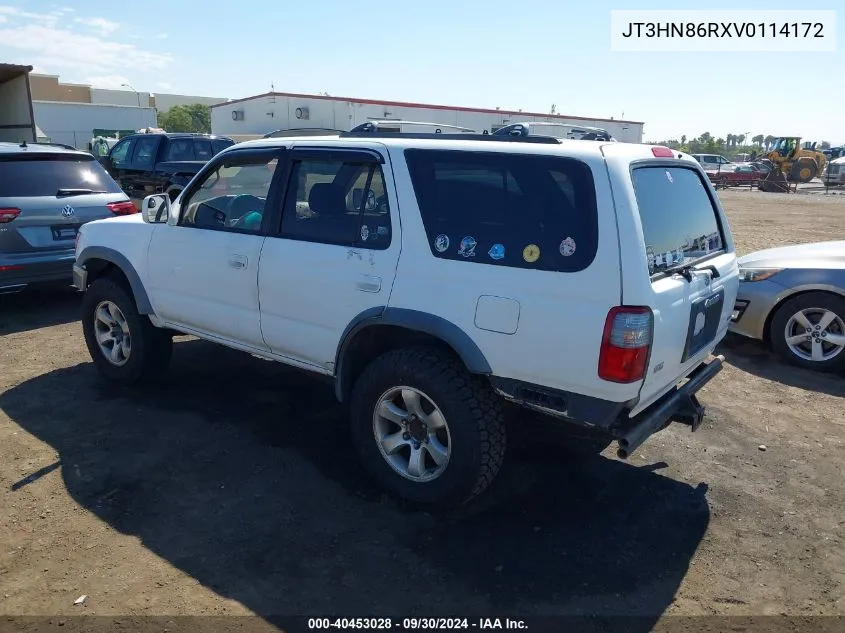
232	489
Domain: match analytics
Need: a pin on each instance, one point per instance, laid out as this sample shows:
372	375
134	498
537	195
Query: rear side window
180	149
44	176
145	150
679	220
202	150
219	145
514	210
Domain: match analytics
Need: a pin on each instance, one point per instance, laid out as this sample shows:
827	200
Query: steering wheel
247	202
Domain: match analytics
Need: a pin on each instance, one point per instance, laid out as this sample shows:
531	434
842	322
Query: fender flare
414	320
112	256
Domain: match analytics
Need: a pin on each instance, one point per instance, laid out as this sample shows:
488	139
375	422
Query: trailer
17	121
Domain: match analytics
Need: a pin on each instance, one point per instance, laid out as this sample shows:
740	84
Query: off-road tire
777	337
803	163
473	413
151	347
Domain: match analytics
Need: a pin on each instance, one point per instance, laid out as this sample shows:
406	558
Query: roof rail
372	126
524	130
546	140
301	131
62	145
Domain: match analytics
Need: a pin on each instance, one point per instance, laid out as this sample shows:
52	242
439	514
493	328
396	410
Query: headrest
327	198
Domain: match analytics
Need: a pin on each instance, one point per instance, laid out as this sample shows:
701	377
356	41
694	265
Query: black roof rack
546	140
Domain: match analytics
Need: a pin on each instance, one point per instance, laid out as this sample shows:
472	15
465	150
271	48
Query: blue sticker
467	248
382	230
441	243
497	251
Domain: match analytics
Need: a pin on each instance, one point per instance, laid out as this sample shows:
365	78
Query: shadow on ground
755	357
239	472
42	307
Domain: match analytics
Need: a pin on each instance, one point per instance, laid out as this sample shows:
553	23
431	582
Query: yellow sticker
531	253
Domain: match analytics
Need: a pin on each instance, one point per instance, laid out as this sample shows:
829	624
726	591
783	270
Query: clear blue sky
460	52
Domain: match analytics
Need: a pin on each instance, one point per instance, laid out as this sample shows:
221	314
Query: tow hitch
690	412
682	406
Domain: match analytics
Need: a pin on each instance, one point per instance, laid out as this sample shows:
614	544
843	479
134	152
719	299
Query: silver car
46	193
794	298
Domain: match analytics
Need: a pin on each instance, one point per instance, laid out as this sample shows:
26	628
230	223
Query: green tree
758	140
824	145
194	117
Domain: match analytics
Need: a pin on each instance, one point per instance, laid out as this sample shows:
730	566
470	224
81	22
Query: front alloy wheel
112	332
815	334
809	331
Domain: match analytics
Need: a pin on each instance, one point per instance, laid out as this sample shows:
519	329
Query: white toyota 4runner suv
438	280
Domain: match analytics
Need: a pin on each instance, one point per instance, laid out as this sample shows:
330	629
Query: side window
336	202
202	150
180	149
144	156
220	144
511	210
121	152
231	197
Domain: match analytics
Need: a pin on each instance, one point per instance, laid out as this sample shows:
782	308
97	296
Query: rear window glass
512	210
45	176
678	217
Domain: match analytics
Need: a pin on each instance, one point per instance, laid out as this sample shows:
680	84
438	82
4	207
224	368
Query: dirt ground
232	489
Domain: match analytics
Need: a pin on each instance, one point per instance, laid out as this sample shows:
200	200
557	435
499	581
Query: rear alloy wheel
809	331
425	428
412	434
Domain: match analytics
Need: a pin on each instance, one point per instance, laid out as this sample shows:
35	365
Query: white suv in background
712	162
434	278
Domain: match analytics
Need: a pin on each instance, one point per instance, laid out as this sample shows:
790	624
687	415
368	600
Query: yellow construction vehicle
791	162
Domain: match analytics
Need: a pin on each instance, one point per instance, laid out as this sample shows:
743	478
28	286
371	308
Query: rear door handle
368	283
237	261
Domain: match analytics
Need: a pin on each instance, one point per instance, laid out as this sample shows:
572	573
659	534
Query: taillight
8	214
122	208
662	152
625	344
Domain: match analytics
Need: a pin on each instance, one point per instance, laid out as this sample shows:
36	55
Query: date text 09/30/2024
415	624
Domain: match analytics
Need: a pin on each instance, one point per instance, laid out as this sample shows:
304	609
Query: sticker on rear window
567	247
441	243
468	245
669	176
365	233
531	253
497	251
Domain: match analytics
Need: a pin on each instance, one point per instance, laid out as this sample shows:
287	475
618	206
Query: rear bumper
613	418
679	405
18	270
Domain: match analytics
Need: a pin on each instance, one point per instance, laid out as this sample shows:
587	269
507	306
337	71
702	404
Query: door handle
237	261
368	283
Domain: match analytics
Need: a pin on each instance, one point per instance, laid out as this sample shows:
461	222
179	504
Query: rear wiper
688	270
77	192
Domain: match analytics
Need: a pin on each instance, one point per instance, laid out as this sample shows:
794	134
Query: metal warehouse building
253	117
